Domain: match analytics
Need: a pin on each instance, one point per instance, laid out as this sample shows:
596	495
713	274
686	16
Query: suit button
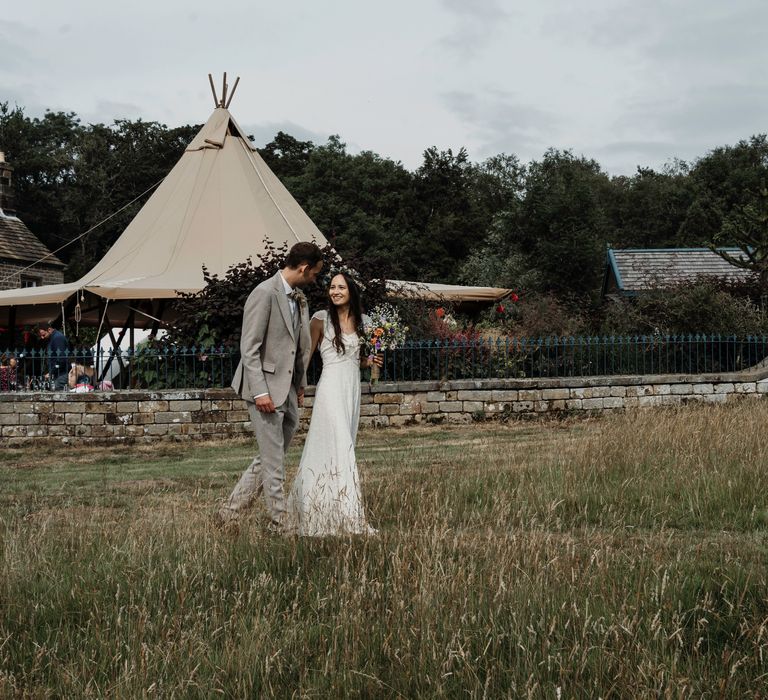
290	371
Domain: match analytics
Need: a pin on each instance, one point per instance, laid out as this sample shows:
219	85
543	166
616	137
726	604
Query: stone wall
467	401
120	416
11	272
135	416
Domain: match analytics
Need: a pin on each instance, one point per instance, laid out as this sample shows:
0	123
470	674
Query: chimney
7	199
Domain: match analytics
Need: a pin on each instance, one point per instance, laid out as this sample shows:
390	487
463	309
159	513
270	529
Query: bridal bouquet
383	330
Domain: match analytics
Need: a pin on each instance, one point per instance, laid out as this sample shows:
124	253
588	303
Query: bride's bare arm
315	333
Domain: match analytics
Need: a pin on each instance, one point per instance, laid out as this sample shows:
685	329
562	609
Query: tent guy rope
82	235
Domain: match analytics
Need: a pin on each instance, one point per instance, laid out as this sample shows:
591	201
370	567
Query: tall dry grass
624	557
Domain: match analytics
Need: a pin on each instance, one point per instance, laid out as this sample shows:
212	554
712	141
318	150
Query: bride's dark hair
355	311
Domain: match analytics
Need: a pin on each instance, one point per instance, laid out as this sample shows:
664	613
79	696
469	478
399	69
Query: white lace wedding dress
325	498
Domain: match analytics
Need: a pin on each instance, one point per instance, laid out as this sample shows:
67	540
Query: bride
325	498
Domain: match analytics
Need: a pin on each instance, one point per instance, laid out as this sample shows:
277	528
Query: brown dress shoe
227	520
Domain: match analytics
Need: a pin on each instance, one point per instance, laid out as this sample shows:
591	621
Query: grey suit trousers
266	474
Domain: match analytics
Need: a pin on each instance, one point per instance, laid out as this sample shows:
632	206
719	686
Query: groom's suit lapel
282	302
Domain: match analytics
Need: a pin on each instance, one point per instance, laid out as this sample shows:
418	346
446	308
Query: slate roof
638	269
18	243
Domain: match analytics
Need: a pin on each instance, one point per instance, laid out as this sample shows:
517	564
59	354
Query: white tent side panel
431	291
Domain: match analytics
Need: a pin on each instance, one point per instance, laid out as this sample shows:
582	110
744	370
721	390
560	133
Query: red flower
514	297
500	309
440	312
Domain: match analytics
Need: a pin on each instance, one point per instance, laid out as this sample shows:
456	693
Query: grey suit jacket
272	355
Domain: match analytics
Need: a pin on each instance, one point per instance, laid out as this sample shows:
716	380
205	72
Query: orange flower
378	332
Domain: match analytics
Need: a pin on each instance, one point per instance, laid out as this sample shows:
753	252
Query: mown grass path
623	557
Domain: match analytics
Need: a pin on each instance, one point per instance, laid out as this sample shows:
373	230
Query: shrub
545	315
705	306
213	316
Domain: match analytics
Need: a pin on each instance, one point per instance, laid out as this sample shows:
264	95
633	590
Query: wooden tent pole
116	342
101	306
158	318
232	94
12	328
128	326
213	90
224	90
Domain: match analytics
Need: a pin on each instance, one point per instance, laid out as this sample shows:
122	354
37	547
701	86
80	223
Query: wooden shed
632	271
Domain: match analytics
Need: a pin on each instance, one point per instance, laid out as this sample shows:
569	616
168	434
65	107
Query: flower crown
348	271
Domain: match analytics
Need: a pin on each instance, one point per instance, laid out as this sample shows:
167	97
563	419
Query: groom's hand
264	404
300	397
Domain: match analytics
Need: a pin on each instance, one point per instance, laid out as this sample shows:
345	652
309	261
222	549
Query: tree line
540	227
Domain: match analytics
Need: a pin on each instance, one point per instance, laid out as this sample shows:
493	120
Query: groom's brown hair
303	253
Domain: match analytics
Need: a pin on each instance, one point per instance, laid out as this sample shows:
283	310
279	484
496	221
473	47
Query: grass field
621	557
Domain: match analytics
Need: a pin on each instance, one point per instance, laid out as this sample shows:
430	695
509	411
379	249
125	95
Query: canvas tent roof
430	291
219	205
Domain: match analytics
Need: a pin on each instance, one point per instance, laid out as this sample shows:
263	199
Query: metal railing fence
167	367
581	356
173	367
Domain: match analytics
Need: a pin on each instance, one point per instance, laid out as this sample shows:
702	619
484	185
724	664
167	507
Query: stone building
23	261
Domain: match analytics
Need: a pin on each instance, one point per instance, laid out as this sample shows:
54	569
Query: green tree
563	226
69	177
649	208
42	152
498	188
496	263
746	227
359	202
286	156
497	184
446	215
723	180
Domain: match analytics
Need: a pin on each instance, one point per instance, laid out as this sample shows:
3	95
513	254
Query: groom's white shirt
288	290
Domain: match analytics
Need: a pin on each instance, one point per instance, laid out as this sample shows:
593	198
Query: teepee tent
219	205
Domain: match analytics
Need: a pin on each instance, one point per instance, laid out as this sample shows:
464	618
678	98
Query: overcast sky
627	83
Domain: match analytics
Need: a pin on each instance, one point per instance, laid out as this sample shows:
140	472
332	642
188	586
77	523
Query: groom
271	376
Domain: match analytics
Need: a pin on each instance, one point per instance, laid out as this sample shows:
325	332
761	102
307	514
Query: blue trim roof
614	265
639	269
